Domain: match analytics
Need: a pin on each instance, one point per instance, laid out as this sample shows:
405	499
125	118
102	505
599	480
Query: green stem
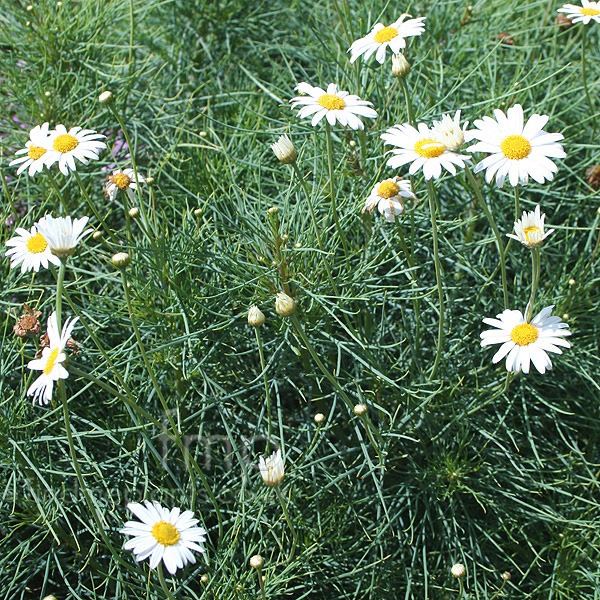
583	77
289	521
535	276
409	108
266	382
438	275
499	591
163	583
461	591
517	204
492	222
93	206
9	198
261	583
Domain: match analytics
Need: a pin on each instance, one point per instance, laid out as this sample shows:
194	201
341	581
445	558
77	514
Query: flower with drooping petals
388	196
449	132
62	233
272	469
529	229
122	181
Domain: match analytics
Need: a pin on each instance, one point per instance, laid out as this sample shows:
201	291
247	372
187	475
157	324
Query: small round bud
204	579
149	180
59	4
42	114
121	260
506	576
264	578
565	317
285	237
51	597
29	8
458	570
298	245
319	418
203	134
274	210
255	316
598	210
257	561
47	94
400	66
572	281
360	409
27	23
284	150
285	306
97	235
105	97
134	212
198	212
352	144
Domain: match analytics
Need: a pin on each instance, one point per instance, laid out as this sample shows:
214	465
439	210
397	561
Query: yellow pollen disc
165	533
432	151
65	143
36	243
385	35
331	102
121	180
524	334
529	231
590	12
515	147
388	189
36	152
51	360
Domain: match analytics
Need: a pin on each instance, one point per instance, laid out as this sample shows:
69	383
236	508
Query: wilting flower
122	181
381	37
387	196
62	233
335	105
449	132
163	534
51	361
529	229
524	342
35	151
271	470
66	146
590	11
421	149
28	324
284	150
31	250
516	150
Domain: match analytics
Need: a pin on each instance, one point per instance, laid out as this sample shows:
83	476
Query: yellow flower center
524	334
331	102
388	189
121	180
36	243
165	533
36	152
435	148
590	12
51	360
529	231
65	143
385	35
515	147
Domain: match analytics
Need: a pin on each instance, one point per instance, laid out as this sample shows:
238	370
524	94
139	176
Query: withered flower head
505	39
593	176
29	323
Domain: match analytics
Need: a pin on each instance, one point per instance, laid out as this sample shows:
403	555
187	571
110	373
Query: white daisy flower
66	146
421	149
35	151
516	150
30	250
524	342
123	181
62	233
163	534
449	132
387	196
272	469
590	11
336	105
381	38
529	229
50	362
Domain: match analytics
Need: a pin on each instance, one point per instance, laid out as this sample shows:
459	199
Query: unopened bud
284	150
400	66
29	8
134	212
121	260
572	281
285	306
105	97
352	143
97	235
51	597
506	576
149	180
202	134
274	210
298	245
255	316
360	409
257	561
47	94
204	579
319	418
458	570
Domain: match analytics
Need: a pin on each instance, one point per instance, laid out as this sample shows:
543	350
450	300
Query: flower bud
204	579
134	212
97	235
272	469
51	597
284	150
319	418
285	306
572	281
400	66
149	180
458	570
121	260
105	97
360	409
274	210
197	212
257	561
506	576
255	316
47	94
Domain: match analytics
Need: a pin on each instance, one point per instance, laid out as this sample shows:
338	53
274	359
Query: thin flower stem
461	590
289	521
261	583
584	79
93	206
499	591
535	277
163	583
492	222
266	381
9	197
332	188
438	275
409	108
517	204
